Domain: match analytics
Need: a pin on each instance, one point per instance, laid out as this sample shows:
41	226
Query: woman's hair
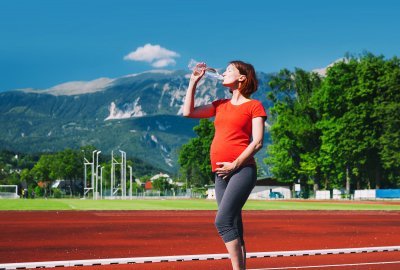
250	84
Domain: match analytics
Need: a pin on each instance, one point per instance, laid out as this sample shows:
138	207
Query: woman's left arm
255	145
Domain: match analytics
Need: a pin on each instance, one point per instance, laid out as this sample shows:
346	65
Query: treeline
341	130
37	172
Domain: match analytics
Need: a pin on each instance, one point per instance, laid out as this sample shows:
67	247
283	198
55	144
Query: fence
336	194
364	194
167	194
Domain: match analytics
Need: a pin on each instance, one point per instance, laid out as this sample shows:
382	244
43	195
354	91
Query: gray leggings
232	194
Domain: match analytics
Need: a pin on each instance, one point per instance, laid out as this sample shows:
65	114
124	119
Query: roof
148	185
159	175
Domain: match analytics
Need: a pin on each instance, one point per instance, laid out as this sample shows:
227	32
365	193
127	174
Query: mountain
322	71
139	113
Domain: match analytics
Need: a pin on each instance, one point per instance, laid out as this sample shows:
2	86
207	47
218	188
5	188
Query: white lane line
328	265
181	258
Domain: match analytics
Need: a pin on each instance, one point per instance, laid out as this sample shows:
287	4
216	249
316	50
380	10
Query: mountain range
140	114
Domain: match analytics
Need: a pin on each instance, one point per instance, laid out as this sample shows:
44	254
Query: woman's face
231	76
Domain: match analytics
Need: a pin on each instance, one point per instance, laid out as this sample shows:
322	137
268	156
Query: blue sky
49	42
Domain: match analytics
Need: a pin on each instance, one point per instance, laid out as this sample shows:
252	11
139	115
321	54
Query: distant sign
297	187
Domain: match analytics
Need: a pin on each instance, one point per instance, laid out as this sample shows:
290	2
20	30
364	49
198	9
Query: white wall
323	195
365	194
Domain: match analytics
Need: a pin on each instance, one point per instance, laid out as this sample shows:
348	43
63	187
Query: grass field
186	204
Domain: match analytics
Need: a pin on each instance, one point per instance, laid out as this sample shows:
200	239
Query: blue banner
388	193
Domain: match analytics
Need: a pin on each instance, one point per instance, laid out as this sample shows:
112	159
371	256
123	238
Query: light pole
114	187
112	175
92	183
97	173
86	162
130	182
123	174
101	183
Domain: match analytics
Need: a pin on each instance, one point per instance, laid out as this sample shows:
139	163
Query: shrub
57	193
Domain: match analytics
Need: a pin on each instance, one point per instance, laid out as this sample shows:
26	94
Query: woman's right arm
189	110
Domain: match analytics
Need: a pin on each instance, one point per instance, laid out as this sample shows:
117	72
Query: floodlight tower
93	175
114	162
96	188
112	174
123	174
86	163
101	183
130	182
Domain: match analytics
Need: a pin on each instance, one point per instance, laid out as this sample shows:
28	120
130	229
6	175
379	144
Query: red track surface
28	236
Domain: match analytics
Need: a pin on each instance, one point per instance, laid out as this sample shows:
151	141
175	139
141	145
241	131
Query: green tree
194	157
343	130
293	154
69	167
387	117
26	176
336	157
161	184
65	165
45	171
359	103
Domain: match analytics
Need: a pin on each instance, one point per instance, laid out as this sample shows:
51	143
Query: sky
44	43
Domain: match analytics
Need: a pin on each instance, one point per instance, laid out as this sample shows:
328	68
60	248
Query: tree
69	167
45	171
387	116
341	130
194	157
161	184
336	156
26	176
295	145
65	165
359	102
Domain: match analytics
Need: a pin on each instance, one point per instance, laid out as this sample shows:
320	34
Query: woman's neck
238	98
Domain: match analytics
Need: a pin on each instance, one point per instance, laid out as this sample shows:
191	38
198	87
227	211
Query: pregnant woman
239	134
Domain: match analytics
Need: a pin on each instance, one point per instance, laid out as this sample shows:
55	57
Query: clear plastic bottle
210	72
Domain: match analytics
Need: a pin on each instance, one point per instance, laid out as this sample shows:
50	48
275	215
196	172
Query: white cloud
155	55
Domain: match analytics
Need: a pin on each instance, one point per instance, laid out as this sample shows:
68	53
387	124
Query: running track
76	235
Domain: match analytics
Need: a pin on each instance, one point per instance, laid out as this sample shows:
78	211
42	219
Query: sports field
180	234
191	204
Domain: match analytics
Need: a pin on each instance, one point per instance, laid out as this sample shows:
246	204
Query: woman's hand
225	169
198	72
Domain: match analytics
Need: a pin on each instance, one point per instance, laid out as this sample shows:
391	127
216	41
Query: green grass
88	204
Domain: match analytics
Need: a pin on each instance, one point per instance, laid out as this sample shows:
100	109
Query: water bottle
210	72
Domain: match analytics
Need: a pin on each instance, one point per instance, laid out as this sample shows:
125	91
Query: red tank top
233	129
